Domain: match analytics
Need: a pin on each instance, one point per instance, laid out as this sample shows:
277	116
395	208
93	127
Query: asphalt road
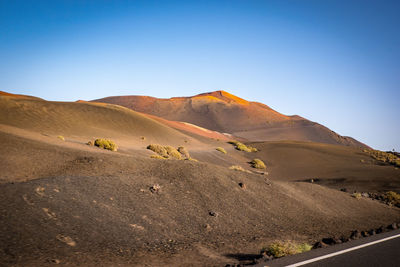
385	253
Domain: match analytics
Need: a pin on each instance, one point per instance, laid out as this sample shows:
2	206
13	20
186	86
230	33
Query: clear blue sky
333	62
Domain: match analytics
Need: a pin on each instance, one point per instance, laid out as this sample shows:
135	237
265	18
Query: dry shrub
172	152
220	149
356	195
238	168
258	164
165	151
106	144
242	147
385	157
156	156
61	137
159	149
281	249
392	198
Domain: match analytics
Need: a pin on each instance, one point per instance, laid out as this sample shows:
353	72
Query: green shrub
258	164
106	144
220	149
184	152
61	137
242	147
281	249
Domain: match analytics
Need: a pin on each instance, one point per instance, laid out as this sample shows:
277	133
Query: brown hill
223	112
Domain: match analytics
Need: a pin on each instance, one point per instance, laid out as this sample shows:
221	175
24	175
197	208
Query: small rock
355	235
155	188
364	194
242	185
329	241
312	181
371	232
393	226
364	233
320	245
213	213
338	241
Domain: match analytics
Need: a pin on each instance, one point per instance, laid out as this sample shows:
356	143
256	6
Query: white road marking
342	251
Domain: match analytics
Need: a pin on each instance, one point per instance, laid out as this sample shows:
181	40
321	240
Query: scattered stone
328	241
355	235
155	188
393	226
207	227
213	213
371	232
312	181
67	240
364	233
242	185
320	245
338	241
54	261
364	194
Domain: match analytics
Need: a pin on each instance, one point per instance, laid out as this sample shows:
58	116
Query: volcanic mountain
223	112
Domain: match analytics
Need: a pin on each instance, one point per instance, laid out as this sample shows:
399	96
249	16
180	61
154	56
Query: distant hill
223	112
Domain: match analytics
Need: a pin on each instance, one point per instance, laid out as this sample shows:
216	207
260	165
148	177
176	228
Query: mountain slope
223	112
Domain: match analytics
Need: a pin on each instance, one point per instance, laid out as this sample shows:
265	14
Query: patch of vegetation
385	157
169	151
156	156
106	144
238	168
242	147
61	137
184	152
258	164
356	195
159	149
192	159
220	149
281	249
392	198
172	152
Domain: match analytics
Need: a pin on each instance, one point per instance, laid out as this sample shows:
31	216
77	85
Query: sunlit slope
223	112
83	119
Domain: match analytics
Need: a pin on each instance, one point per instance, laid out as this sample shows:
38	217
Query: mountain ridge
226	113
